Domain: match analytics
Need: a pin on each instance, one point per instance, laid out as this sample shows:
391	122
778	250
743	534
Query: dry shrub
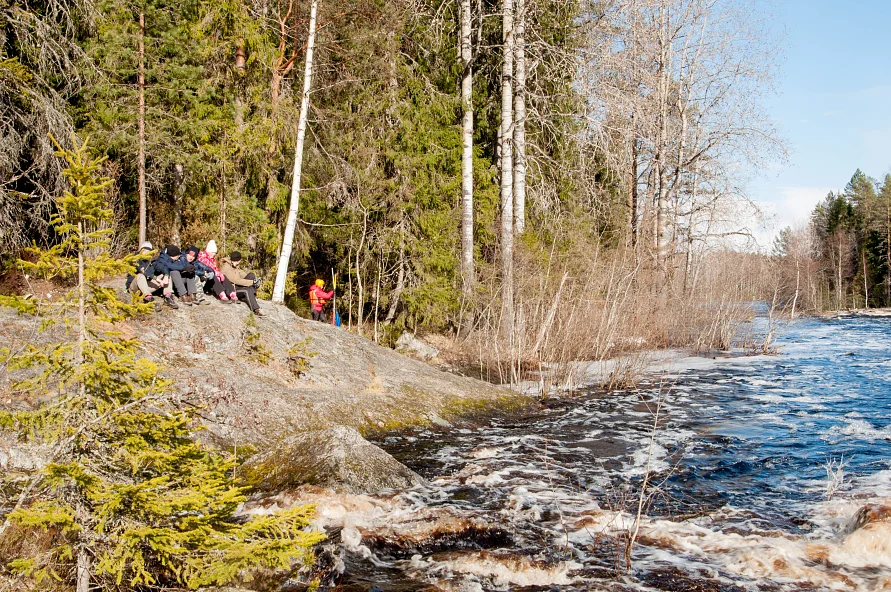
615	304
18	541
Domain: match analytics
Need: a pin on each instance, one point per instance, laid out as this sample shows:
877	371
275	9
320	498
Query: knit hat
146	246
235	256
193	250
173	251
211	247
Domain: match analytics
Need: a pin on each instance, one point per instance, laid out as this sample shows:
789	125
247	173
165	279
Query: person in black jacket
149	281
204	275
181	272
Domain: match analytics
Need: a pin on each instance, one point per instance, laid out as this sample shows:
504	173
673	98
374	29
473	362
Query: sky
832	105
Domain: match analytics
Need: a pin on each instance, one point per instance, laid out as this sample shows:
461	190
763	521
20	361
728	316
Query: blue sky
833	102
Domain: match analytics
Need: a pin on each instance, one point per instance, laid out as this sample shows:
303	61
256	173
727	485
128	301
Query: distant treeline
842	258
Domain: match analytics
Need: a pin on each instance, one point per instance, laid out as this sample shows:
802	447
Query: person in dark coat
149	281
202	274
181	272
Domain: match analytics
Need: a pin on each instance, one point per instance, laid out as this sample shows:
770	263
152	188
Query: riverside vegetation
540	181
127	497
840	259
545	180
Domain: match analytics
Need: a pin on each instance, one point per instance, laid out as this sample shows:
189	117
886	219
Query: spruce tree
132	499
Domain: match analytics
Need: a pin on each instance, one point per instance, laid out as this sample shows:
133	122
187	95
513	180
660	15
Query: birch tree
278	292
507	196
519	172
467	147
141	132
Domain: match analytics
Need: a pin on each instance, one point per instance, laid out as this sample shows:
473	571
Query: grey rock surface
253	399
409	344
337	457
15	456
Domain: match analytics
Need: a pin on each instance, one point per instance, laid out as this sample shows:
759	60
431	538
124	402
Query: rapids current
750	481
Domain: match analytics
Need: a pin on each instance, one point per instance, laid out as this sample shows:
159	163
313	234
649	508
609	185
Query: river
750	481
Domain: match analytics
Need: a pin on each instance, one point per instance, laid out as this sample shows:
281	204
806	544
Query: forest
840	259
547	180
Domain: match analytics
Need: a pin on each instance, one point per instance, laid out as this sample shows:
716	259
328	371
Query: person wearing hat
221	286
182	273
318	297
204	276
148	281
245	283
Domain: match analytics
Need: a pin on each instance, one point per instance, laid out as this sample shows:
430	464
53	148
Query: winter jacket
211	262
318	297
236	276
165	264
201	270
144	266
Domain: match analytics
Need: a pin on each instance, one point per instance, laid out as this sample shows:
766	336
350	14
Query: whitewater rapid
767	473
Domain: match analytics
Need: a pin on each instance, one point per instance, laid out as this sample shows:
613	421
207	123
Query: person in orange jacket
318	297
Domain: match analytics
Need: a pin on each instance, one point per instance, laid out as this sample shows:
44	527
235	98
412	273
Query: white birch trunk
507	196
141	133
278	291
520	118
865	284
83	570
661	237
467	148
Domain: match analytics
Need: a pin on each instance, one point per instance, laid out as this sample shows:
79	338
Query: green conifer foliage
132	498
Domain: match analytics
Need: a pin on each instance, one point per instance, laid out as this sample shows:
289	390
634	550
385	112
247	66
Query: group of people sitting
188	276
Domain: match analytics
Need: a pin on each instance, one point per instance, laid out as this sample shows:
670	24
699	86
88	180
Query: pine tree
132	498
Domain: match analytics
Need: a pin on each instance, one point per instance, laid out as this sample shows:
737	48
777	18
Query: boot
170	301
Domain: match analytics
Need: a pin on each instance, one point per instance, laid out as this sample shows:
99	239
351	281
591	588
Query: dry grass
608	306
17	542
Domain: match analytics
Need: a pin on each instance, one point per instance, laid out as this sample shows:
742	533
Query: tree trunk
360	308
83	559
865	279
507	196
633	195
377	294
179	187
81	300
797	286
278	292
467	149
223	225
83	570
350	286
400	278
240	68
838	287
888	252
661	237
519	151
141	140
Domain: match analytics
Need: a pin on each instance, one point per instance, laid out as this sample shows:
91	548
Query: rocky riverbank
263	380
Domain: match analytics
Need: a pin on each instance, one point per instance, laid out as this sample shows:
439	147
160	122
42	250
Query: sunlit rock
337	457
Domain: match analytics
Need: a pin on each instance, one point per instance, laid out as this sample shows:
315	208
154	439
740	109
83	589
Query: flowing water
732	486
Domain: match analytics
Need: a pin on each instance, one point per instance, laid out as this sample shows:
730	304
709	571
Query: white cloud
791	207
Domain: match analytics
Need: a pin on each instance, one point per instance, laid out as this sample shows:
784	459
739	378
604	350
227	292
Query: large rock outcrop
337	457
284	375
